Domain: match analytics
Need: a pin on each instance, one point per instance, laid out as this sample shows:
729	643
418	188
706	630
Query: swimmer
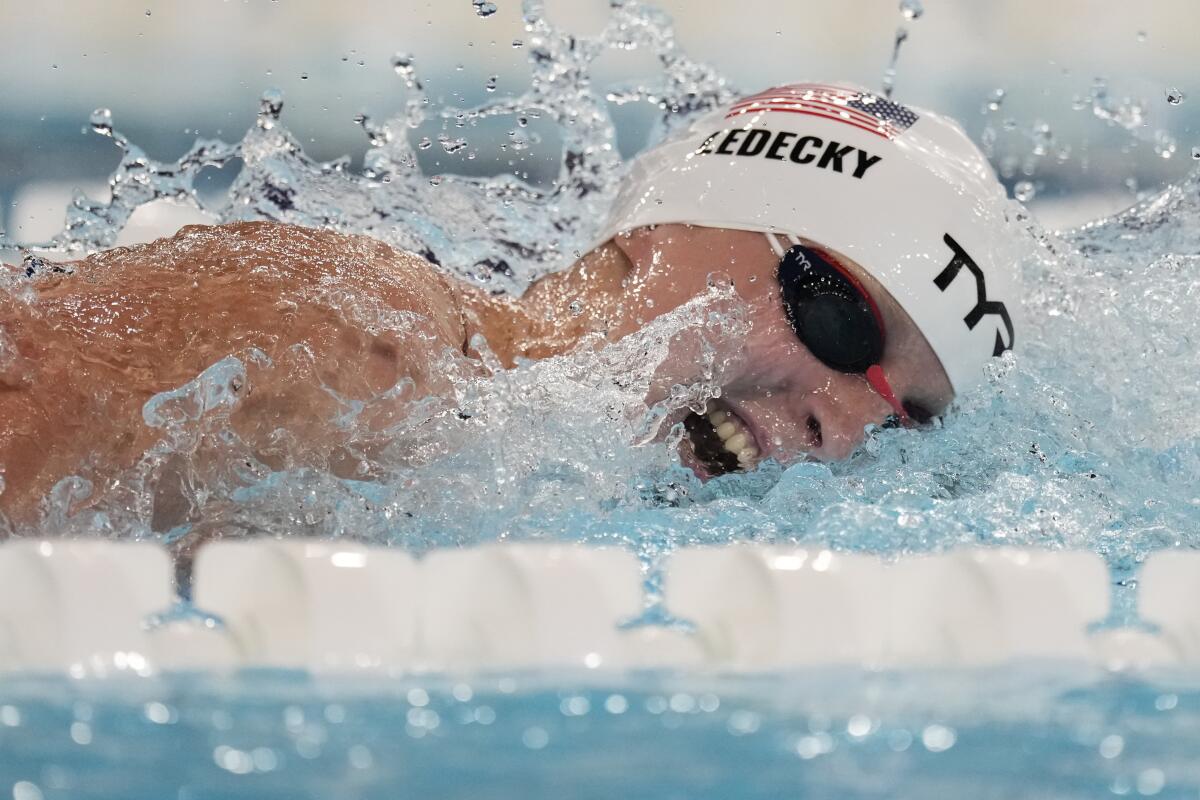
866	238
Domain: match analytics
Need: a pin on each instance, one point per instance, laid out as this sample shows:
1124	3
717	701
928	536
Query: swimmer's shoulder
274	259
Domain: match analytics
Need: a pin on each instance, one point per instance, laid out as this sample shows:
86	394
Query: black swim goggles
834	316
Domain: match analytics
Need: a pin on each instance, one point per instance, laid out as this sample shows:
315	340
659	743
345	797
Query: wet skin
793	404
130	323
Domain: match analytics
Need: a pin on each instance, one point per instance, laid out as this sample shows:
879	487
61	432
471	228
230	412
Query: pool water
1049	732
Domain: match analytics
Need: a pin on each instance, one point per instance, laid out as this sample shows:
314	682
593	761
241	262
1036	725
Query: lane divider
87	608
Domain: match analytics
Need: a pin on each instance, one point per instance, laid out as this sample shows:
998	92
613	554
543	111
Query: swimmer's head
901	193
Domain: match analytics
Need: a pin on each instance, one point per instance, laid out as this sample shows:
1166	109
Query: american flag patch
870	112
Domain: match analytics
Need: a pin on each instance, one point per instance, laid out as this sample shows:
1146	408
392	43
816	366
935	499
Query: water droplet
147	12
270	106
1111	746
101	121
484	8
535	738
491	83
938	738
376	135
1150	782
1164	144
1024	191
1174	96
402	63
911	9
616	704
451	145
303	76
995	99
24	790
576	308
517	43
1141	36
1043	137
1196	153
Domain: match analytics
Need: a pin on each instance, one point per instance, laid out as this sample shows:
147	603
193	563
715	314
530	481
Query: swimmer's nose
837	415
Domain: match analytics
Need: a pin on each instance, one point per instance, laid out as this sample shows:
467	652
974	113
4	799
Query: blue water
1034	733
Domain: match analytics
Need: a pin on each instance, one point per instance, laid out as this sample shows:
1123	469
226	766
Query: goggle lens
828	312
834	317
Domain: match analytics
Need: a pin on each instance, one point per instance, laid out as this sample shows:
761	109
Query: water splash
484	8
910	10
500	231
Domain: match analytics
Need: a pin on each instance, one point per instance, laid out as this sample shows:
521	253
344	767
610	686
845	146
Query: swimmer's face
777	399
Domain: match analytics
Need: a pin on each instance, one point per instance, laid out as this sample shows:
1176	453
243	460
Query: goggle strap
879	383
780	250
773	240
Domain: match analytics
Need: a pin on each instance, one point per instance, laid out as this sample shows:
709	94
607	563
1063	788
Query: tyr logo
983	306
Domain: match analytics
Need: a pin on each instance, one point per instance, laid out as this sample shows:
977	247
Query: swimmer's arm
341	319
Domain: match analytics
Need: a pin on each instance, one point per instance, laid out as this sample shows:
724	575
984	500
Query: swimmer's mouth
721	441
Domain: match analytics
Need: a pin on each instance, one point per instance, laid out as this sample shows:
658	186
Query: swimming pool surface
1028	732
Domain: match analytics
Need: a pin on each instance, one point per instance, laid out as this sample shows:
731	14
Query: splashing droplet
1024	191
101	121
403	65
1174	96
451	145
483	8
911	9
1043	138
376	135
1164	144
889	74
270	107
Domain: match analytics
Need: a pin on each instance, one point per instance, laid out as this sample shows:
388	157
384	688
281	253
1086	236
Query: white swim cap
901	191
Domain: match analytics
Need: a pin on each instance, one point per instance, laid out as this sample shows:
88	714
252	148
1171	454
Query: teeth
747	456
735	437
